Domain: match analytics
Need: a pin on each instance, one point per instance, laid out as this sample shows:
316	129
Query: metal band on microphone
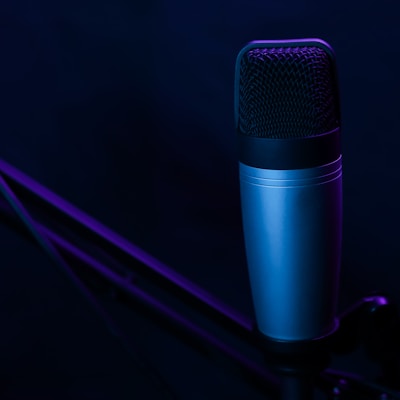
293	153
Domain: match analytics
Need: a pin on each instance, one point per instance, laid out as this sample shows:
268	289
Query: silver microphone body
292	227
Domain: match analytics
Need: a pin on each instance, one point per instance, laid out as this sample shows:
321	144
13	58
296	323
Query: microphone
287	118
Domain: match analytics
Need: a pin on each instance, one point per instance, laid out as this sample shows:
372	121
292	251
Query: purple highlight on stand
241	324
266	379
192	331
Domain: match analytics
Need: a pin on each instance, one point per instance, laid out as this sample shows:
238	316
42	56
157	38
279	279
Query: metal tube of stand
294	387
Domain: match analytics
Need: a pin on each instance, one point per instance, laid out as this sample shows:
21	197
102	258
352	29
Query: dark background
126	110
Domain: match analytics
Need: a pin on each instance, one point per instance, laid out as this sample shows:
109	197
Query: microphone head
286	89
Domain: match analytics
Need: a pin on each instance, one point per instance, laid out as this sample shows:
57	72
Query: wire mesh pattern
287	92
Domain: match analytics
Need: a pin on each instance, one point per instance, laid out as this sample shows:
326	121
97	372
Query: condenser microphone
287	118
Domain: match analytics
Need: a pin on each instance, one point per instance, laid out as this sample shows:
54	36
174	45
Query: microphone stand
129	274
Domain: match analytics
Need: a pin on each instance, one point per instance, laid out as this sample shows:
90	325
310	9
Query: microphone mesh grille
287	92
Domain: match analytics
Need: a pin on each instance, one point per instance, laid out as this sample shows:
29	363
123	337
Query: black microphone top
286	91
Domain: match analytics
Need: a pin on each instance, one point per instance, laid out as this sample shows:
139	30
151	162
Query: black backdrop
126	109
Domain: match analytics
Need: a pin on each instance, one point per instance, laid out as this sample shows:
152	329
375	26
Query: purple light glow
14	176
